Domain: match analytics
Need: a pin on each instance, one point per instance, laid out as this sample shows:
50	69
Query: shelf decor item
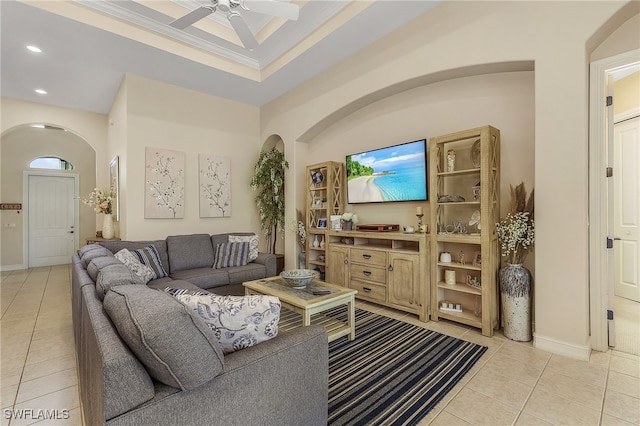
516	235
451	160
299	278
348	219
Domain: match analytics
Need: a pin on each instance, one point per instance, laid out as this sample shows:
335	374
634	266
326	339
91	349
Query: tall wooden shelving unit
481	244
324	198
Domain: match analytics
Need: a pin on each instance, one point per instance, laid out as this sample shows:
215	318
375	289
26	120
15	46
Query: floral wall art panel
215	185
164	184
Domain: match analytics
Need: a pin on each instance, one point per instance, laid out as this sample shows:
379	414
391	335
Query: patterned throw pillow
237	321
149	256
253	240
137	268
231	254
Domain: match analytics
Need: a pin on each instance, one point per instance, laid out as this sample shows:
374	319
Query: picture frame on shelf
322	223
336	224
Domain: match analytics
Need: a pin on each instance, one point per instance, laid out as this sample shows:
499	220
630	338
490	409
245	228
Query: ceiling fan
267	7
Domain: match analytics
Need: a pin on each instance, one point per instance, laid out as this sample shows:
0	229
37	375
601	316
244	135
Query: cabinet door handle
366	289
366	256
390	268
367	273
346	261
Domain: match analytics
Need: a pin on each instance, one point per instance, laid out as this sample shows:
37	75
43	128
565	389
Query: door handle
71	232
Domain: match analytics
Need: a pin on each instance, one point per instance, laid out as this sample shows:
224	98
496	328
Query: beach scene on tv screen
396	173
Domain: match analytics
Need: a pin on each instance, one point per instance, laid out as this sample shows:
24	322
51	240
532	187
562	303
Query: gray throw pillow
253	240
150	257
231	254
173	343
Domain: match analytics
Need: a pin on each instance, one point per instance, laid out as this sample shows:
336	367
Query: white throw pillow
238	321
253	240
139	270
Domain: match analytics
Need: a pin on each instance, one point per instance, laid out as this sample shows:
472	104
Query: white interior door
52	233
626	217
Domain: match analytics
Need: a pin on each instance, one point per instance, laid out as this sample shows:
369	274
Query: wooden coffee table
307	308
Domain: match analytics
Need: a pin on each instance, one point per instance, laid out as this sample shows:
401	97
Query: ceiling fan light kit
267	7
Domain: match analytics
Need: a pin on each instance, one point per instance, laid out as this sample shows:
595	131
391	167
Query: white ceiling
88	46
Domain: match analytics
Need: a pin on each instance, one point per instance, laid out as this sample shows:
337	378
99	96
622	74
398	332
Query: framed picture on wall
322	223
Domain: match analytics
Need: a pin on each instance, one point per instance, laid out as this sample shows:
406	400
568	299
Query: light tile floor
512	384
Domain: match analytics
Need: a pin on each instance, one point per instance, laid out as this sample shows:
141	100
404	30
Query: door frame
600	258
25	208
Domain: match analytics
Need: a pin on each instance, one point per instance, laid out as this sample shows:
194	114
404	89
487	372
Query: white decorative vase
107	227
515	294
316	243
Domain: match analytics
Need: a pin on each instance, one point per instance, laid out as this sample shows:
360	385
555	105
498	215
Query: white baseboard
5	268
569	350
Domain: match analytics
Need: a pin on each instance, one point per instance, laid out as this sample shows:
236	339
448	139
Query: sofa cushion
189	252
231	254
253	240
113	276
98	263
150	257
249	272
237	321
89	255
84	249
174	344
203	277
137	268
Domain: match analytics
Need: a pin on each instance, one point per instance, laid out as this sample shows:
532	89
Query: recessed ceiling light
41	91
38	126
34	49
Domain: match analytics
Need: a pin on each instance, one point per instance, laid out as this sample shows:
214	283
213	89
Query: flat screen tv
395	173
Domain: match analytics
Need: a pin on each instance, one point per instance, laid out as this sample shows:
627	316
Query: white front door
52	233
626	217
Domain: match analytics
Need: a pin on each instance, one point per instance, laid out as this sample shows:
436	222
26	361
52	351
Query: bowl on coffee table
299	278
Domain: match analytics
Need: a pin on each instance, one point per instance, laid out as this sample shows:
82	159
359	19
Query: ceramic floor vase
302	260
515	294
107	227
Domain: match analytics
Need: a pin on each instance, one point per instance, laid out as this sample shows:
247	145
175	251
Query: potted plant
348	219
268	181
516	235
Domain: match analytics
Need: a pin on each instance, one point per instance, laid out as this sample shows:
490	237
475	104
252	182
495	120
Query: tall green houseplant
268	180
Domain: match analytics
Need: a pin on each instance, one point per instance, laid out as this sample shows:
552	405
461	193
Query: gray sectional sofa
282	381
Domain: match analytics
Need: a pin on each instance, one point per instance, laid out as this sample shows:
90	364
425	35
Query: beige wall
627	95
467	38
83	144
164	116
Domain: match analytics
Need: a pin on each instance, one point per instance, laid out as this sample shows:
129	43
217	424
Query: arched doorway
20	146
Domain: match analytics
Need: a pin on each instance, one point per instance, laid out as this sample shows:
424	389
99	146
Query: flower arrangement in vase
516	231
516	235
102	201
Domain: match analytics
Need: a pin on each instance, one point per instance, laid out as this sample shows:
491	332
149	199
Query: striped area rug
393	373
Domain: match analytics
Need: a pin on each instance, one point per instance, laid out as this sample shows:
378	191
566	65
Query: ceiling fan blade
272	7
192	17
243	31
